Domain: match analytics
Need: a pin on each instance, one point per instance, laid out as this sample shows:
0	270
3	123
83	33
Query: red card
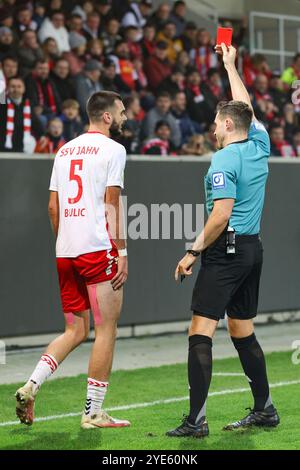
224	35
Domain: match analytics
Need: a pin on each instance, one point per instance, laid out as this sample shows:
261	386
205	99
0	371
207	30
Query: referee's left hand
184	267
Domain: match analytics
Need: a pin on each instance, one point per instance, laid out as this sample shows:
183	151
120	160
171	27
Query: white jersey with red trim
82	170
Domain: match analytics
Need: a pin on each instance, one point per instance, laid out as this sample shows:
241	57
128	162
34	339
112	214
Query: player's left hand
184	267
121	277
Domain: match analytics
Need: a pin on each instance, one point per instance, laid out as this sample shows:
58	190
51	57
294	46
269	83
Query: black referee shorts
229	283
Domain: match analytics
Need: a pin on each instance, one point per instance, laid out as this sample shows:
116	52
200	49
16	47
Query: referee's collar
239	142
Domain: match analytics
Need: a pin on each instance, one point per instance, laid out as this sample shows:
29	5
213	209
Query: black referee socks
199	373
253	361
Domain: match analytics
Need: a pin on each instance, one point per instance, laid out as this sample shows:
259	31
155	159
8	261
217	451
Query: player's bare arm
215	225
115	219
53	211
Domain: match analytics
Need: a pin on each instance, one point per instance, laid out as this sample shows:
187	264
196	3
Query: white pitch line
152	403
229	374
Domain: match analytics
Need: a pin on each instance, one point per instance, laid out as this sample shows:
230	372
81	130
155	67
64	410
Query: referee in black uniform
231	258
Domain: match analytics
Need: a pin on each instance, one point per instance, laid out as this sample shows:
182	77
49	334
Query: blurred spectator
240	32
198	108
290	121
203	56
104	8
18	124
54	27
76	57
183	62
161	112
179	110
111	36
50	51
279	146
83	9
134	111
168	35
53	140
42	92
54	5
160	143
292	73
135	115
7	46
253	66
60	76
137	14
157	67
210	141
148	41
131	36
141	80
39	13
161	15
88	83
296	142
174	83
75	24
10	67
94	50
6	17
126	76
91	28
71	120
178	16
277	91
24	20
108	78
194	147
263	105
189	36
213	89
29	51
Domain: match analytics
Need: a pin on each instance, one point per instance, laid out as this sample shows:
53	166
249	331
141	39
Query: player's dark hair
99	103
240	113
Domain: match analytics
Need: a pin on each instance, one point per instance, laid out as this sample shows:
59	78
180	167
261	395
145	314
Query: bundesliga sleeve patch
218	180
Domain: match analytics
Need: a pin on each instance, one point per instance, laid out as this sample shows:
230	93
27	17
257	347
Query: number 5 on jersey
75	177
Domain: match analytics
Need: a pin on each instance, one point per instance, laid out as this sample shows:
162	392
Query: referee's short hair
99	103
240	113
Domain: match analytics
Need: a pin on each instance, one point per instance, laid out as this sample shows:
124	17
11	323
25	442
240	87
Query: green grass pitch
149	423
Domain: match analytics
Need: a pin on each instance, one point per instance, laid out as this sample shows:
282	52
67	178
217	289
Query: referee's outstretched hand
121	277
184	267
228	53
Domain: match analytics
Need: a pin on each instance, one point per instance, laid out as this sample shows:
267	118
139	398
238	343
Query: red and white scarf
10	121
50	95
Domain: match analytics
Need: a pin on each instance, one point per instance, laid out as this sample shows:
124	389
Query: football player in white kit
86	213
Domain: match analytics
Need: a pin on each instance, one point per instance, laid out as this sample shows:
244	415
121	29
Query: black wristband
194	253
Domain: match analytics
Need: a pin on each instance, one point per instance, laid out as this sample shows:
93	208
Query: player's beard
115	130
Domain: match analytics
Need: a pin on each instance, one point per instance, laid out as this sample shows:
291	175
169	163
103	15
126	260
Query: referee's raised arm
238	90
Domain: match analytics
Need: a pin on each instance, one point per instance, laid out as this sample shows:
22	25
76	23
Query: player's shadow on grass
39	440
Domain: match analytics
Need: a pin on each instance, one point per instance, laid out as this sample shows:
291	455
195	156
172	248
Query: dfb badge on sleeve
218	180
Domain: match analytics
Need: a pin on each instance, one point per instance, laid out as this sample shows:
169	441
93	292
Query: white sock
96	392
46	366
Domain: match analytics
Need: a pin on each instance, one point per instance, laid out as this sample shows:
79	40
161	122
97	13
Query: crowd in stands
55	53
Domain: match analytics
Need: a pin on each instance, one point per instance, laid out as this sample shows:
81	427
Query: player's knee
78	336
239	328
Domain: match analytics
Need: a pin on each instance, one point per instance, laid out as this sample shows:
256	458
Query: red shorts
75	274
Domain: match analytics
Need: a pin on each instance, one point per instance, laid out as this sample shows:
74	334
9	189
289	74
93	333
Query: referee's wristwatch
194	253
